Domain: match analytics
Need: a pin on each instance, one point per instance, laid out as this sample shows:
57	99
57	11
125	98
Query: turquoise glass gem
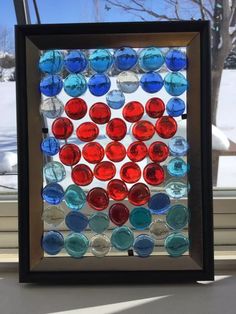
51	108
75	61
52	242
115	99
54	171
178	146
151	82
53	215
51	85
175	107
177	167
75	85
125	58
75	197
175	84
100	245
176	244
127	82
122	238
50	146
176	60
100	60
177	217
76	221
159	229
53	193
99	222
51	62
159	203
99	84
176	188
144	245
140	218
151	59
76	244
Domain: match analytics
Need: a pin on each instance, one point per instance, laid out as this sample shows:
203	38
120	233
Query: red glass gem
105	171
153	174
166	127
118	214
117	190
100	113
116	129
98	199
137	151
158	151
82	175
76	108
155	107
143	130
93	152
133	111
69	154
62	128
87	131
139	194
130	172
115	151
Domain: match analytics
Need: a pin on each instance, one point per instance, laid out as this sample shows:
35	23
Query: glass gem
115	151
115	99
50	146
62	128
52	242
93	152
100	113
166	127
177	217
99	84
76	244
122	238
100	60
51	108
104	170
127	82
151	59
75	85
159	230
51	62
137	151
87	131
151	82
143	130
75	61
175	84
125	58
176	244
54	171
100	245
140	218
177	167
53	215
98	199
53	193
82	175
143	245
76	221
178	146
139	194
76	108
117	190
51	85
118	214
158	151
153	174
175	107
69	154
130	172
99	222
75	197
116	129
133	111
155	107
159	203
176	188
176	60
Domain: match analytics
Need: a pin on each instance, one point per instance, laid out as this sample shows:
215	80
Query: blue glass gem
140	218
122	238
76	221
159	203
53	193
54	171
51	108
51	85
178	146
176	188
51	62
127	82
99	84
144	245
175	83
175	107
50	146
151	82
176	244
151	59
176	60
75	85
115	99
52	242
99	222
76	244
75	61
75	197
100	60
177	167
125	58
177	217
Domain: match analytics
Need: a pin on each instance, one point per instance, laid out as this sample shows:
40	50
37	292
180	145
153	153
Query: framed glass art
114	148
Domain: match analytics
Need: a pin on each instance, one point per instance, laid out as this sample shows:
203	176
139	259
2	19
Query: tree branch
203	9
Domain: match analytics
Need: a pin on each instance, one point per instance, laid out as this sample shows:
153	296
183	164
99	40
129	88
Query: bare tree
6	39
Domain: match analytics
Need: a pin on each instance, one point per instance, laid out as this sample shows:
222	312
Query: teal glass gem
53	193
151	82
52	242
151	59
178	146
75	61
177	167
53	215
100	60
177	217
144	245
76	244
51	108
51	62
75	197
125	58
76	221
51	85
54	171
99	84
122	238
115	99
176	60
100	245
99	222
176	188
140	218
75	85
176	244
50	146
175	107
175	83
